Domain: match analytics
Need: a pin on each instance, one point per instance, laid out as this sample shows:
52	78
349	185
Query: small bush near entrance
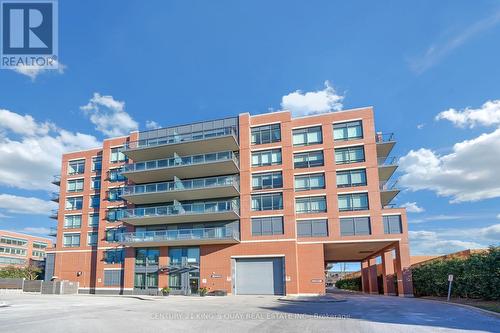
349	284
475	277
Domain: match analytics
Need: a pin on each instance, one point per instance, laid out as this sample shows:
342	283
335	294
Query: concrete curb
3	305
487	312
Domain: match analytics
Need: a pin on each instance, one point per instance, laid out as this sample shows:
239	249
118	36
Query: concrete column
372	271
365	284
388	274
402	265
129	270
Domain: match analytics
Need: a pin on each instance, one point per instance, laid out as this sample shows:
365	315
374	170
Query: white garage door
259	276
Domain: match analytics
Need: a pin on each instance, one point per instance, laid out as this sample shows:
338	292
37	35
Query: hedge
475	277
350	284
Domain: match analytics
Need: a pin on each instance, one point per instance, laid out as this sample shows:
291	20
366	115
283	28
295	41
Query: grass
478	303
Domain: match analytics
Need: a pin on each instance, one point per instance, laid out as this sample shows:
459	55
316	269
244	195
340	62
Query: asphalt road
356	313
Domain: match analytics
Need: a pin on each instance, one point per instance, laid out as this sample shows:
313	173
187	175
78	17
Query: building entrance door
184	271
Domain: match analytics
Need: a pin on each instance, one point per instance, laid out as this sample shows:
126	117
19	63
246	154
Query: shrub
349	284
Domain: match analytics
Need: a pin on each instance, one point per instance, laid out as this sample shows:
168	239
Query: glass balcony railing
197	208
387	161
56	180
188	184
180	138
388	185
217	233
384	137
181	161
54	214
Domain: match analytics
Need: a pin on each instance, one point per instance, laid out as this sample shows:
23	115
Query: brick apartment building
17	249
250	205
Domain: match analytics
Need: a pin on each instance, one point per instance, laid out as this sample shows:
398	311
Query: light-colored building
18	249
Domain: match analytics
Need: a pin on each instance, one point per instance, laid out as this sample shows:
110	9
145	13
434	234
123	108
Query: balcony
189	189
193	166
54	197
386	167
54	214
53	232
385	143
204	141
56	180
388	191
198	236
179	213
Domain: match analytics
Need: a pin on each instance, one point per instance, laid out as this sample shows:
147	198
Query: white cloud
109	116
321	101
420	126
412	207
468	173
487	115
431	242
151	124
30	156
498	216
33	71
25	205
439	50
36	230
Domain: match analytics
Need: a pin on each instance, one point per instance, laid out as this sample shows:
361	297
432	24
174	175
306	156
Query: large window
310	205
353	226
308	160
266	134
307	136
95	184
348	131
39	254
75	185
267	226
114	256
13	241
94	220
97	163
71	240
392	224
12	261
72	221
114	194
312	228
350	178
95	201
112	235
117	155
114	215
310	182
272	201
113	277
266	157
92	238
115	175
354	201
349	155
76	167
267	180
13	250
74	203
40	245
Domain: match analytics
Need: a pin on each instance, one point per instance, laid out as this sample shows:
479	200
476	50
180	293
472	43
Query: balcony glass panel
216	233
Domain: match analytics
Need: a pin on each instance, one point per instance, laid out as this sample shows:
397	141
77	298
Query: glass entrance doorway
184	271
146	271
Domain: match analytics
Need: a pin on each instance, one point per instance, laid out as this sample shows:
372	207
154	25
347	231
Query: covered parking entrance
259	276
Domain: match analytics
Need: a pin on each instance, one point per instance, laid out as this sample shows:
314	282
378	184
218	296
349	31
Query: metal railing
384	137
184	209
54	213
54	196
56	179
180	138
216	233
181	161
188	184
387	161
388	185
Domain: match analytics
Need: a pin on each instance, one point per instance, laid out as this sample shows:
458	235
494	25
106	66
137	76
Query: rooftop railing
180	161
216	233
188	184
180	138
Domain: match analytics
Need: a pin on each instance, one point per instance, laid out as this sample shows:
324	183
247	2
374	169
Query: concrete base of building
105	291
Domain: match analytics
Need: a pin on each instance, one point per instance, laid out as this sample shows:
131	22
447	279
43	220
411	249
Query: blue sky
181	61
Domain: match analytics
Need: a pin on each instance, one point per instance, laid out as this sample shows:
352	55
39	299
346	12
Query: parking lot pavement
357	313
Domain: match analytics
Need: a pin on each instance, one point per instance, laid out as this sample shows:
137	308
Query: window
348	131
354	201
71	240
307	136
353	226
39	254
113	277
350	178
12	261
72	221
92	238
40	245
94	220
273	201
266	134
349	155
114	215
95	201
392	224
115	175
267	180
267	226
75	185
308	160
310	205
74	203
97	163
312	228
13	250
309	182
266	157
114	256
112	235
114	194
76	167
117	155
96	183
13	241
